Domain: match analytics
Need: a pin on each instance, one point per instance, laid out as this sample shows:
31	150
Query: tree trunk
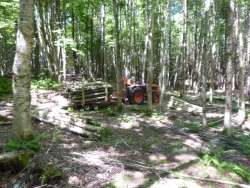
242	107
102	40
247	59
118	67
150	51
144	59
205	28
184	48
45	23
166	55
212	50
74	54
22	126
229	71
61	47
241	59
36	61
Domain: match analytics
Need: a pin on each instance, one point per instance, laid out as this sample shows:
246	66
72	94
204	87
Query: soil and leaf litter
128	149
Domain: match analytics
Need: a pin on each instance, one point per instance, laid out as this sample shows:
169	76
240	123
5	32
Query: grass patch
45	83
5	86
215	159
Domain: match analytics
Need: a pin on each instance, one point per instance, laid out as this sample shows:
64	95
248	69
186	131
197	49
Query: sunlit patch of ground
175	183
129	179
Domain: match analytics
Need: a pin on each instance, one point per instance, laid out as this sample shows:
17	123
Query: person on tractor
137	93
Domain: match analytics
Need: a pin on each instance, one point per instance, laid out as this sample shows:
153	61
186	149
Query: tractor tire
156	97
138	96
130	95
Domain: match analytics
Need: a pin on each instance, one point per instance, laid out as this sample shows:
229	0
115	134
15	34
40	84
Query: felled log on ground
51	109
60	118
179	104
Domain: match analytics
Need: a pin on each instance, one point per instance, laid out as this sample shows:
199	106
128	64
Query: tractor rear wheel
156	98
138	95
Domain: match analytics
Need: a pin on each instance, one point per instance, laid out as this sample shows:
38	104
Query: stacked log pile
89	93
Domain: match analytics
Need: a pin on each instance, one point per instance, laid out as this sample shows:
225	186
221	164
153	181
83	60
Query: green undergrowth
243	142
33	145
111	185
221	100
235	107
50	173
140	109
5	86
190	127
3	119
248	111
213	124
70	109
42	172
46	83
111	112
195	127
106	135
56	135
214	158
143	110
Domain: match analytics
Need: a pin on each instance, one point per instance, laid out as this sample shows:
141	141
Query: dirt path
140	151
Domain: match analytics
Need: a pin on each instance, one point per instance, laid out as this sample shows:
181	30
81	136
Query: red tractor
137	93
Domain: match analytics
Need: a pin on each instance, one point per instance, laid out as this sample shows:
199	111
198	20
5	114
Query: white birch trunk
22	126
166	55
150	57
229	72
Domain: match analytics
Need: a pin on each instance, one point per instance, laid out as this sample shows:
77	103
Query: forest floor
168	149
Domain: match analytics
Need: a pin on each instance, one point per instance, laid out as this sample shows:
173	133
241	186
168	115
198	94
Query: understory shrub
50	173
215	159
5	86
31	145
46	83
